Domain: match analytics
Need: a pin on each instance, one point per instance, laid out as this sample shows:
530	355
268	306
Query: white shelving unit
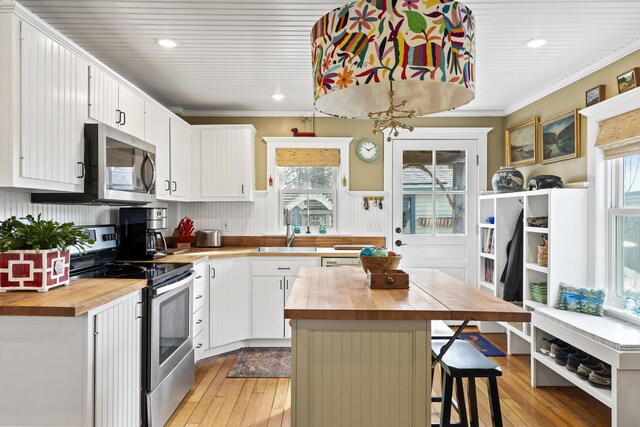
567	239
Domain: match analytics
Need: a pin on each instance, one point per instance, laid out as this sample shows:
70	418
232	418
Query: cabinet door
132	107
103	97
53	109
224	161
157	133
267	307
229	302
180	168
117	364
288	284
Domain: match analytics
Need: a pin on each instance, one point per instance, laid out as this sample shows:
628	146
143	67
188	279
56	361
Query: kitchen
239	188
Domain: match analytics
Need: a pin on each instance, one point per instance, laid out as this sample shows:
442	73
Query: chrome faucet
290	234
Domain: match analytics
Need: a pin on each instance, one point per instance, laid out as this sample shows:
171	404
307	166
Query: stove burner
124	267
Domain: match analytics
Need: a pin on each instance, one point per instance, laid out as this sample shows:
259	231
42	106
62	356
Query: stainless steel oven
169	358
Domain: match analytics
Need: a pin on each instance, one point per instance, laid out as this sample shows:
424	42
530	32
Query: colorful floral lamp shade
370	51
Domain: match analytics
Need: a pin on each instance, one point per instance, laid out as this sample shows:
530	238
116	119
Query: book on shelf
487	240
488	270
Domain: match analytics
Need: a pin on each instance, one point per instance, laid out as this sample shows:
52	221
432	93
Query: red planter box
31	270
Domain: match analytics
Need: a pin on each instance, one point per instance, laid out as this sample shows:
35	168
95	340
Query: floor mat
482	344
262	362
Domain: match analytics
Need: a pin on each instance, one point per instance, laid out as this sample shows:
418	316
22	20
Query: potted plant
34	253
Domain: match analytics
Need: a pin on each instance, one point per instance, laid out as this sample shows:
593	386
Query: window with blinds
619	139
308	180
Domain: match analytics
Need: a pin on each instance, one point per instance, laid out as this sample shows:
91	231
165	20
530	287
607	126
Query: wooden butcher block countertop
196	255
80	296
343	294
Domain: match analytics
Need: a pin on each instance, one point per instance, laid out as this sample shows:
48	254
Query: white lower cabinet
201	309
272	281
229	301
81	371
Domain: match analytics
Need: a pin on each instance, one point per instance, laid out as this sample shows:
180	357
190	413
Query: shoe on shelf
575	359
545	347
555	344
562	354
585	369
601	378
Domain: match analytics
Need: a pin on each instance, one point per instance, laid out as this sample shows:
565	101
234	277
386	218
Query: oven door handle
173	286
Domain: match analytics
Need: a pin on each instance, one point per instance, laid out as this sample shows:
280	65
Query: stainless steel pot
208	238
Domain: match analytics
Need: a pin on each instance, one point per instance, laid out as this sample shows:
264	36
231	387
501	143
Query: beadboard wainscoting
250	219
19	204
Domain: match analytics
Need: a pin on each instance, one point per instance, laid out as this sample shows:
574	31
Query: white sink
282	249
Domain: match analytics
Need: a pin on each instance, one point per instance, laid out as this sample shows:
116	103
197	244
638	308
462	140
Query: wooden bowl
384	263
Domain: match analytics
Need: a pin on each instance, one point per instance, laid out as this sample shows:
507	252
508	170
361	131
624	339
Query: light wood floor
219	401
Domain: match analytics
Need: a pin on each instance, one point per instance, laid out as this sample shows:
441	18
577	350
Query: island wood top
342	294
80	296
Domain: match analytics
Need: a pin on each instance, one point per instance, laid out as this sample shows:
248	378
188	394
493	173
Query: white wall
19	204
250	219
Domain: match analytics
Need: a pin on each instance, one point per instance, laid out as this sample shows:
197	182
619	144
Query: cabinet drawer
199	296
201	273
200	320
281	267
200	344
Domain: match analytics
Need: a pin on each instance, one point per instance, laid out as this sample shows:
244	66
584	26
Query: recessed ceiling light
535	43
168	43
278	96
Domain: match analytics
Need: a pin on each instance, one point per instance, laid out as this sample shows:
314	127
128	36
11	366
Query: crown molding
293	113
627	50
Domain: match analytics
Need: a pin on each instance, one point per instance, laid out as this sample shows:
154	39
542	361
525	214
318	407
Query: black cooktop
154	272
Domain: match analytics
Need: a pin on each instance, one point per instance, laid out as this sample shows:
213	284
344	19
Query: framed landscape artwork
520	143
628	80
560	138
595	95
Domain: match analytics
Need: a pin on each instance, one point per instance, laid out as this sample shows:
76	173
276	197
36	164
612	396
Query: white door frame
478	134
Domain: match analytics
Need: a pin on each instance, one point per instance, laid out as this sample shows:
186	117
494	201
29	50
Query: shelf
484	225
541	230
516	331
488	256
488	285
534	304
603	395
536	267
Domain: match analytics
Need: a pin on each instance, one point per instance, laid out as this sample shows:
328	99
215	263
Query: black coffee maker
140	233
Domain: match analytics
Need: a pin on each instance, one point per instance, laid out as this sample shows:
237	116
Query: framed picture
628	80
560	138
595	95
520	143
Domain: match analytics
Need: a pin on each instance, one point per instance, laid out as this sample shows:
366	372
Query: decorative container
384	263
507	179
543	251
28	270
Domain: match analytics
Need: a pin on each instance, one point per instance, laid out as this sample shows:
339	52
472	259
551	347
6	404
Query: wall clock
368	150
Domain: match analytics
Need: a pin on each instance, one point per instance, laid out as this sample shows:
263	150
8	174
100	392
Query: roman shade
308	157
620	136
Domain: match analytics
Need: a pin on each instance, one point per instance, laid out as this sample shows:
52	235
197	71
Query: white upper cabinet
53	93
224	169
180	159
157	133
43	107
132	107
112	103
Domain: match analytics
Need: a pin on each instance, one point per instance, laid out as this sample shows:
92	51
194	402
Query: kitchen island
361	356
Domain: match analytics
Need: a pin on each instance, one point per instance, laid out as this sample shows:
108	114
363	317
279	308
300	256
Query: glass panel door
174	324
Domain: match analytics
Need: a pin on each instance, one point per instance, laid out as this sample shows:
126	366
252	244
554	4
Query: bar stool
463	360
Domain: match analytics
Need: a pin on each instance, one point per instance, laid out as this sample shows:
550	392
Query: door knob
399	243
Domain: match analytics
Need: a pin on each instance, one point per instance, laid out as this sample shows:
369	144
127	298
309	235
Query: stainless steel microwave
118	169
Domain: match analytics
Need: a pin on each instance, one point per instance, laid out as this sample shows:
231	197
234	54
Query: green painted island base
361	373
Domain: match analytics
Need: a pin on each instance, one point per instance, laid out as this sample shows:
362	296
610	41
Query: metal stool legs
494	402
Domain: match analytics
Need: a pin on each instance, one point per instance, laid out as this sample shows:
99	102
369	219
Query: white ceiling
234	54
